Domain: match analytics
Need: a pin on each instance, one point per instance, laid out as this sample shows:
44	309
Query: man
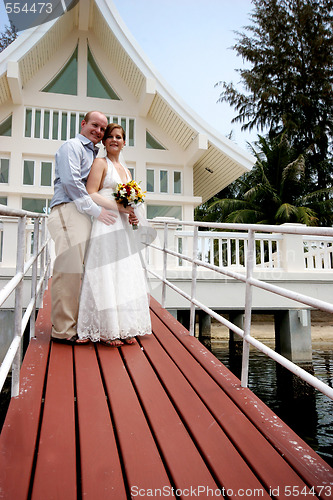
70	223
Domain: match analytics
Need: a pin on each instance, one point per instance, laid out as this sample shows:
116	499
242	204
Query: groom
69	222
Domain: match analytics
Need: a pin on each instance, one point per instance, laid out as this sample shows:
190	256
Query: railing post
248	308
194	280
165	260
34	276
44	257
16	366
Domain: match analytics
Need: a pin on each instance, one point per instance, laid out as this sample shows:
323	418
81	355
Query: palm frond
318	195
286	212
246	216
294	171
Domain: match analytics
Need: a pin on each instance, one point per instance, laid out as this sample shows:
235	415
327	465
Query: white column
292	251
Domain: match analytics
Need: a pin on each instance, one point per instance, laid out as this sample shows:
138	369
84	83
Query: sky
189	44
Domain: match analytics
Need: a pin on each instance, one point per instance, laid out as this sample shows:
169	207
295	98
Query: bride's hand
132	219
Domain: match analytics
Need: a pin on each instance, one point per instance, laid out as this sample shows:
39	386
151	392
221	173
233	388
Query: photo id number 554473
25	8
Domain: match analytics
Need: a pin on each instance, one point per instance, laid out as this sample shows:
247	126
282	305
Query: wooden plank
185	465
265	461
19	432
227	465
100	466
143	465
308	464
55	475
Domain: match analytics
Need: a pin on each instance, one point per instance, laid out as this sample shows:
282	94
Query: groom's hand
107	217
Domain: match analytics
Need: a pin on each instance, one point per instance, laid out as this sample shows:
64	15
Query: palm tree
272	193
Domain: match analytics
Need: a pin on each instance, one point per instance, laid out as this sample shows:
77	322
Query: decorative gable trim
126	68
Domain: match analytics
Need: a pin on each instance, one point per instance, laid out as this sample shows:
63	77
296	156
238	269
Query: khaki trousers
70	231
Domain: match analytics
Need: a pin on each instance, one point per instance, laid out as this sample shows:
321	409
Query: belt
59	205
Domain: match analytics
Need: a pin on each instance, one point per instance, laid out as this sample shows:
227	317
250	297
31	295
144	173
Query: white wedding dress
114	297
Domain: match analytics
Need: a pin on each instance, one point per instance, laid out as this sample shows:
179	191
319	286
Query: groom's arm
69	158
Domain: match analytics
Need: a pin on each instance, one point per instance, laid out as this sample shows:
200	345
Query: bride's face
115	142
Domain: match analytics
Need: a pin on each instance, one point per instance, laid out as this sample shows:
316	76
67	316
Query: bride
114	305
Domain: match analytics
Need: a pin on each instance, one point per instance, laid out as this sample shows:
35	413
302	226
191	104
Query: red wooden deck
162	418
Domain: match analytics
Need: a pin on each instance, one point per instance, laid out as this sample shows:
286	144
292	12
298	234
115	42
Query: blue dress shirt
73	162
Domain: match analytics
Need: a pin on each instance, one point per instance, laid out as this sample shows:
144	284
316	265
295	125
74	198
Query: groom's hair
87	116
110	128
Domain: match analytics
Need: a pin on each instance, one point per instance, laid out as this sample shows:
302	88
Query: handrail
4	210
265	228
13	356
249	281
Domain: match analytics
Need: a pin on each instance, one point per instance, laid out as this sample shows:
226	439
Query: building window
128	125
3	200
28	122
164	181
55	128
6	126
46	127
177	182
150	180
46	173
72	131
164	211
65	82
28	172
130	138
38	115
62	125
97	85
132	172
152	143
4	170
1	244
38	205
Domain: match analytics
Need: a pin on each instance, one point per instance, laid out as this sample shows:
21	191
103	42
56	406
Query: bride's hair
110	128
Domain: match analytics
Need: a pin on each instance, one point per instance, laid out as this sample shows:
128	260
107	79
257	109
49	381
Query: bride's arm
95	182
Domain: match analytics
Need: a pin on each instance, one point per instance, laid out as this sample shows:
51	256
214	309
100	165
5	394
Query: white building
87	60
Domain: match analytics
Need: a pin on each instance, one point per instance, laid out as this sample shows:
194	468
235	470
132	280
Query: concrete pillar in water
293	335
183	316
205	329
235	341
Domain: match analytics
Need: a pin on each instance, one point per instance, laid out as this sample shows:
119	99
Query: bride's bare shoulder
100	164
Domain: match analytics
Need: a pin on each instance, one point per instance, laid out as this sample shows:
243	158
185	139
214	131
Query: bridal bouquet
129	194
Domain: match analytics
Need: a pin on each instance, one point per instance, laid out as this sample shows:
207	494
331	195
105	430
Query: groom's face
95	127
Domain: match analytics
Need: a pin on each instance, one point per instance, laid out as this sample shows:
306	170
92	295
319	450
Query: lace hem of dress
95	335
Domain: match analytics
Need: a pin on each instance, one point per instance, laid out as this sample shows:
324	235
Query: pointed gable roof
216	160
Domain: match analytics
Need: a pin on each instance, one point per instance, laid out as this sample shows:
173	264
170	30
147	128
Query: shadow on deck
161	418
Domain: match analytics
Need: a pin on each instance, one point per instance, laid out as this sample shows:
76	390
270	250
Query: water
307	411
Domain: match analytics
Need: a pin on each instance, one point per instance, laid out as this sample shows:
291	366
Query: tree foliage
272	192
7	36
289	85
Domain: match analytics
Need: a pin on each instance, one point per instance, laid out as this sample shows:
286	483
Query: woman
114	305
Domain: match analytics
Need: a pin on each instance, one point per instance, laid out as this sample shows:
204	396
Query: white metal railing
318	252
253	235
40	253
61	125
226	249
